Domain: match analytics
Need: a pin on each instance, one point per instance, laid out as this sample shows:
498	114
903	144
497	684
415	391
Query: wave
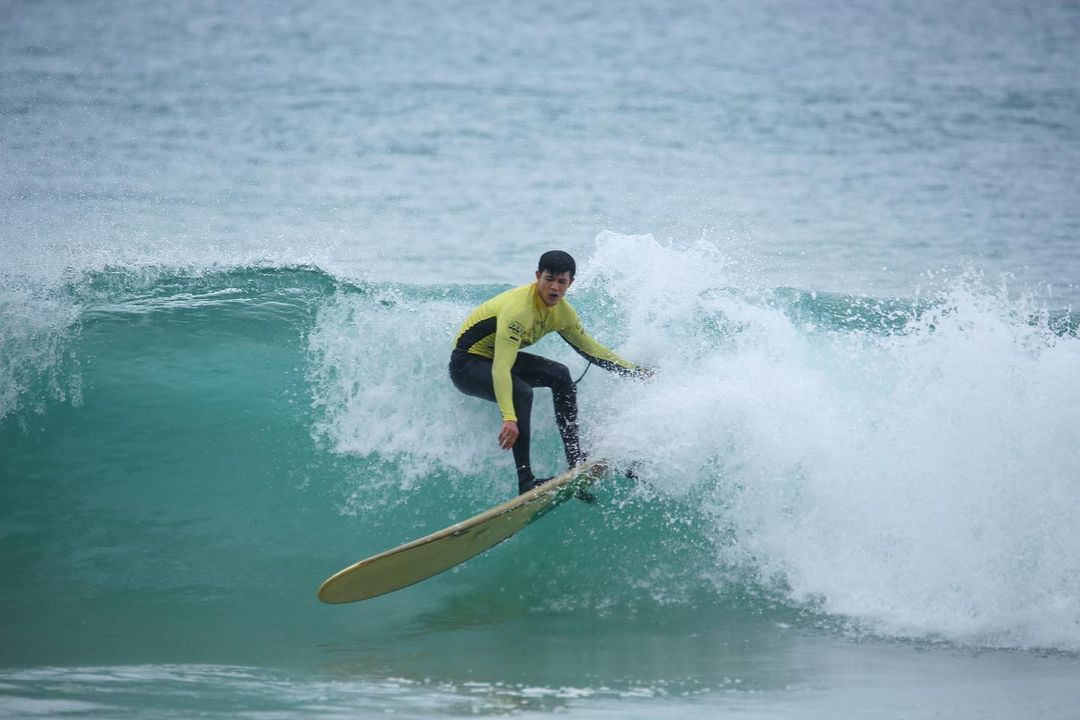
900	467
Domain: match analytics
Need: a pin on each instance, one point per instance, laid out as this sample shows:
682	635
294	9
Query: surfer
487	363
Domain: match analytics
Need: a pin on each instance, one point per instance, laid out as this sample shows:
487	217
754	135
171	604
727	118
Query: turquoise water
206	449
236	245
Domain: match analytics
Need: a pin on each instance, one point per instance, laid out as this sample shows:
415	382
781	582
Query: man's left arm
589	348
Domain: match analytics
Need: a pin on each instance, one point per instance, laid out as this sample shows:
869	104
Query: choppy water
236	244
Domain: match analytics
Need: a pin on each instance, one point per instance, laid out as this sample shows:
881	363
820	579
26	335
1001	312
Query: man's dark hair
557	262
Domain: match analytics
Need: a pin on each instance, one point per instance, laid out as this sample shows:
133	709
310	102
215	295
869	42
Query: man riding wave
487	361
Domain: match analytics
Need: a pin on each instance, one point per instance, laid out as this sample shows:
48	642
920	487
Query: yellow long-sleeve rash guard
518	318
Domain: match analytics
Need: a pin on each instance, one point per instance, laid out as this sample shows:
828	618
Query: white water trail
914	478
921	482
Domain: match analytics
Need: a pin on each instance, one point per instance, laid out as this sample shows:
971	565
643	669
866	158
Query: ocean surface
236	240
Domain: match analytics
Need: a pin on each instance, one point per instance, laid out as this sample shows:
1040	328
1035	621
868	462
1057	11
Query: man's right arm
509	331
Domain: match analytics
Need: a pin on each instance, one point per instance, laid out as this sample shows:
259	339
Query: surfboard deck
432	554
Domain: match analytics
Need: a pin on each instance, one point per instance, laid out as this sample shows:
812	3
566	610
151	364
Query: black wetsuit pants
471	374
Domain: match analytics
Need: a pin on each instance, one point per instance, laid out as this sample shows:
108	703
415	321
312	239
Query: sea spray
378	363
38	323
919	480
902	464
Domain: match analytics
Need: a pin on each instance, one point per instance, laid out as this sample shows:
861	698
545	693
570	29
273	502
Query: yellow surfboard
430	555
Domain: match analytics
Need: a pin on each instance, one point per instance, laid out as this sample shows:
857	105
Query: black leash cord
582	374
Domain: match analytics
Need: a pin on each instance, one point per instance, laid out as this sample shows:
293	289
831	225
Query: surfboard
432	554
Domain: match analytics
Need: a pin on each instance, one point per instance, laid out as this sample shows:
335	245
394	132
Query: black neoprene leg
541	372
471	374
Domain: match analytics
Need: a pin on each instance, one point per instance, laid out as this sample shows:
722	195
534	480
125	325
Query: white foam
923	483
379	370
35	327
920	482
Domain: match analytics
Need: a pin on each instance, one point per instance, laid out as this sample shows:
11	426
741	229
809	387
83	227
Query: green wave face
204	478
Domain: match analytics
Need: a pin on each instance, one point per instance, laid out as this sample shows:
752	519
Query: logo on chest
517	331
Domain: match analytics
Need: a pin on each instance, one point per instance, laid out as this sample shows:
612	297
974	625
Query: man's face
552	287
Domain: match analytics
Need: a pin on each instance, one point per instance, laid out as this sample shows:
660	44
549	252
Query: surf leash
589	365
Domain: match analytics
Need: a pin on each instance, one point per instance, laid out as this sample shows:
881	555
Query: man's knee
560	377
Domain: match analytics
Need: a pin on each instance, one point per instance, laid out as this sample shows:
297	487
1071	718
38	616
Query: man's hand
508	435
